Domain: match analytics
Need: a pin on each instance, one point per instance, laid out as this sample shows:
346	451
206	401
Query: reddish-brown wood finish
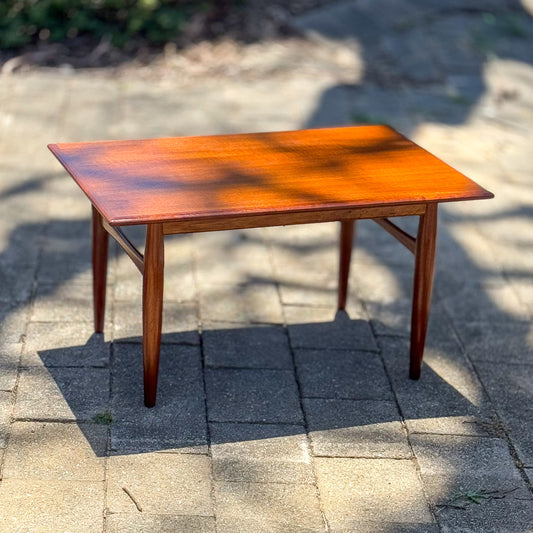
286	219
100	246
194	178
345	255
423	285
152	309
126	245
265	179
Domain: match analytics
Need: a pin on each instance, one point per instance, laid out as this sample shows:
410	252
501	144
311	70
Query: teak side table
193	184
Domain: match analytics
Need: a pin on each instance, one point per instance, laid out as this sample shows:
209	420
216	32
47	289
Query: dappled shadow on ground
247	377
421	62
353	402
445	64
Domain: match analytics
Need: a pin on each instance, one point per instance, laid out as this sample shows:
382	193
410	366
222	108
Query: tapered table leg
345	255
152	309
100	239
423	284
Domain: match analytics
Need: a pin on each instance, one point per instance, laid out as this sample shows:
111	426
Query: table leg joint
398	233
126	245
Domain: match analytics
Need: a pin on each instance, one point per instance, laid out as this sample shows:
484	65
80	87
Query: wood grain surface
195	178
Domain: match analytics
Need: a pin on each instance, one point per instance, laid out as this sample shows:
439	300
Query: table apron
286	219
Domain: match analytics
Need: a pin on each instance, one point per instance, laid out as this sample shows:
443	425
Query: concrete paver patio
273	413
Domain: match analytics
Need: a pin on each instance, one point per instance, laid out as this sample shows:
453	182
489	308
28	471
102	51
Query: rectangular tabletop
210	177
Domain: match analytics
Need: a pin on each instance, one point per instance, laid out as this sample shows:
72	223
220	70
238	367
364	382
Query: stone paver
252	395
231	258
449	399
180	322
451	466
17	282
501	343
529	473
178	422
234	345
253	302
275	413
321	328
464	306
387	527
511	389
62	393
305	263
41	450
342	374
9	361
62	303
6	402
260	453
170	483
179	426
61	255
51	506
351	428
179	281
162	523
276	507
365	490
13	319
64	344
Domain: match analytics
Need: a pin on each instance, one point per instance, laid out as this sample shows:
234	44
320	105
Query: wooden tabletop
185	178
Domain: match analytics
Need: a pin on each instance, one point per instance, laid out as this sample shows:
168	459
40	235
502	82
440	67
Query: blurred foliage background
24	22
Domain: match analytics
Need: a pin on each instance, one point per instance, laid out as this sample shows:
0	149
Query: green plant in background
28	21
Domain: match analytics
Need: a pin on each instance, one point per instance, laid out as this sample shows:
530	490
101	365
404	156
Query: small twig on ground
499	494
450	506
139	508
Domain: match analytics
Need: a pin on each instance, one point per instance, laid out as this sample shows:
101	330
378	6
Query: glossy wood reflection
345	255
152	309
194	184
189	178
100	247
422	287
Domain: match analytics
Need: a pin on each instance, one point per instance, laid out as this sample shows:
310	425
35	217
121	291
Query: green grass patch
104	418
466	497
